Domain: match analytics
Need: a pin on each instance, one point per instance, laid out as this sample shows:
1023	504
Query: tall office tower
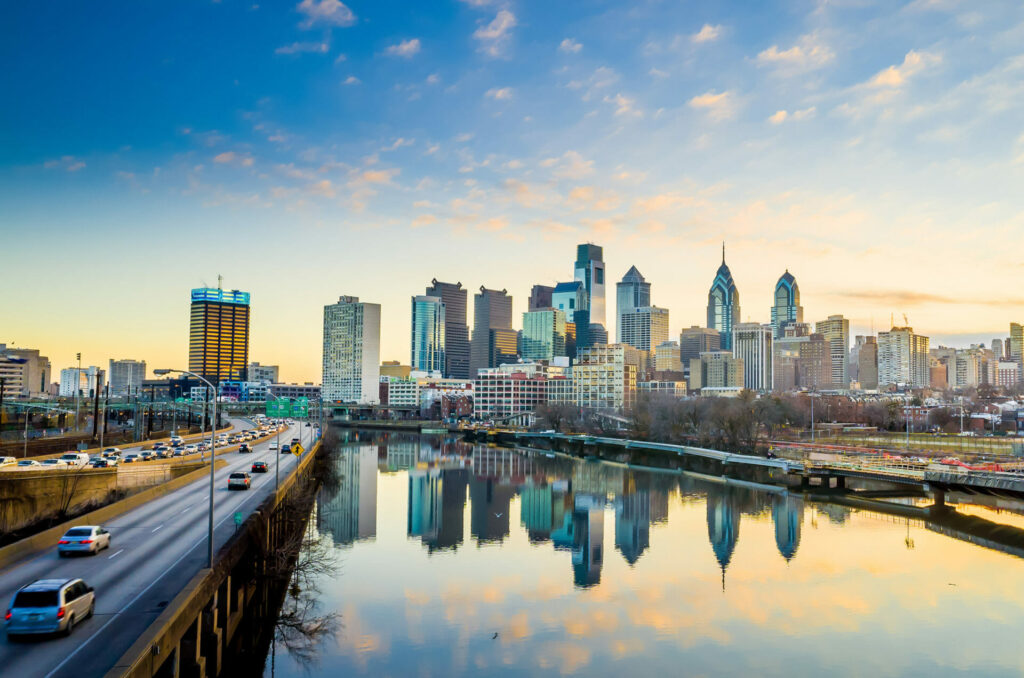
814	363
570	297
631	293
836	331
1016	344
696	340
997	349
723	304
494	341
126	376
867	364
544	334
456	331
644	328
787	306
351	351
852	364
903	359
270	374
540	297
752	343
427	343
218	347
589	270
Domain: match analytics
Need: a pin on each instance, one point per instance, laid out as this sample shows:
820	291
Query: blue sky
310	149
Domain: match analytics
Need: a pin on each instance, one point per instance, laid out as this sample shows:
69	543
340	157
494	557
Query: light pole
277	464
213	457
26	406
78	387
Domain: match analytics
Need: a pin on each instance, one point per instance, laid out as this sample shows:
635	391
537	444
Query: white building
30	378
351	369
752	343
84	381
903	359
400	391
126	376
605	376
644	328
270	374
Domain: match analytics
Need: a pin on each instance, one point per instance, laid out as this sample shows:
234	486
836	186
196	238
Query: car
273	446
76	459
99	462
29	464
146	455
83	539
286	449
203	447
106	454
8	461
178	450
259	467
50	606
244	448
131	458
160	446
117	450
177	440
162	453
240	480
54	463
296	441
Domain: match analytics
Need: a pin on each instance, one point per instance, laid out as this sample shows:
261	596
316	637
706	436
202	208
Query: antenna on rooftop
220	279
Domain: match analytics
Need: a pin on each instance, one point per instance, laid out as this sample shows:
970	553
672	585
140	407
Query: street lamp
213	456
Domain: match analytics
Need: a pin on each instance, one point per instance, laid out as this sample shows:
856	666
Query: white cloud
330	12
657	73
341	57
433	79
897	76
717	105
624	105
570	46
494	36
808	54
502	94
707	33
571	165
464	137
424	220
66	162
351	80
406	48
303	47
378	176
399	143
232	158
782	116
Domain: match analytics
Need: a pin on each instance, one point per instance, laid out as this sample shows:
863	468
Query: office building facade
540	297
84	382
494	341
456	331
631	293
544	334
716	369
903	359
836	331
427	344
696	340
867	364
752	343
218	346
23	372
126	376
351	365
787	308
723	304
605	377
589	270
644	328
270	374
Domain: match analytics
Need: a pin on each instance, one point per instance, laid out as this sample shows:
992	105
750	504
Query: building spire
723	252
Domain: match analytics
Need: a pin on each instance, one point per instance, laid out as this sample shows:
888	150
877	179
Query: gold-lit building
218	347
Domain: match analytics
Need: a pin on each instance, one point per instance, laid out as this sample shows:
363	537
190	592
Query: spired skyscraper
787	308
589	270
218	343
723	304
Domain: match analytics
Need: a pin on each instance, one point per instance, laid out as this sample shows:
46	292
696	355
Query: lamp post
213	456
78	387
277	464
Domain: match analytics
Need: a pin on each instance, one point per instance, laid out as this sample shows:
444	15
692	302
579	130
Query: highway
155	550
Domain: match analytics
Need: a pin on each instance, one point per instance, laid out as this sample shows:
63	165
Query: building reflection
437	500
588	539
350	514
723	525
788	516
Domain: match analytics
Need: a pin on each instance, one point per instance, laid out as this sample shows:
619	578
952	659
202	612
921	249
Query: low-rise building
716	369
292	391
676	389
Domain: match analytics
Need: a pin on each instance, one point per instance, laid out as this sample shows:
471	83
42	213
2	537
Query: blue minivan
50	606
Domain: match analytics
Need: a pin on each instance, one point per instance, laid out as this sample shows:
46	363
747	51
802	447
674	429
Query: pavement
155	550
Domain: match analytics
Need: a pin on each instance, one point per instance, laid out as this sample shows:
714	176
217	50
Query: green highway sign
300	408
279	408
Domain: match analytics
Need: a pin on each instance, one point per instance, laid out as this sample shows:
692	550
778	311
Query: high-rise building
351	370
126	376
631	293
570	297
540	297
605	376
867	364
667	357
84	382
23	372
998	350
1015	344
494	341
836	331
903	359
456	331
814	366
427	343
752	343
787	308
696	340
644	327
716	369
723	304
270	374
218	347
544	334
589	270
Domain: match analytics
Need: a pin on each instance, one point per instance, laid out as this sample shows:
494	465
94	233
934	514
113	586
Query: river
428	556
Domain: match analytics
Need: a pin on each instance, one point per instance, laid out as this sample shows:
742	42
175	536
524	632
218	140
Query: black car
286	449
244	448
259	467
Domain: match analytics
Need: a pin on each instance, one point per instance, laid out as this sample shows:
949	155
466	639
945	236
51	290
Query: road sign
297	449
279	409
300	408
238	518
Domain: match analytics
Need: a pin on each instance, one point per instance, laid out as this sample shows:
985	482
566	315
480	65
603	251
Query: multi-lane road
155	550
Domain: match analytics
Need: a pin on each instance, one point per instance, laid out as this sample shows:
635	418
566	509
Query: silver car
50	606
83	539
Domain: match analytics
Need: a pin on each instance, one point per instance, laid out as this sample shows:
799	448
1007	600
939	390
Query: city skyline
867	149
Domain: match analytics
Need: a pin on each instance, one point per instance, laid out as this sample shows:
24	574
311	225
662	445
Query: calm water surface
431	557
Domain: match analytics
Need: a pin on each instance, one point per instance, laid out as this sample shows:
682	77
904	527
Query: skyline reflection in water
467	559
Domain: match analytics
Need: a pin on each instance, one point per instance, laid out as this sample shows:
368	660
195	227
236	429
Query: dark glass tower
787	308
723	304
456	331
589	270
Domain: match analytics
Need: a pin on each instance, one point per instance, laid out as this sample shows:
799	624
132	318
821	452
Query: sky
307	150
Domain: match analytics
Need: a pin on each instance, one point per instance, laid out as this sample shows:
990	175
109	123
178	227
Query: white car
273	446
76	459
54	463
111	450
191	449
28	464
8	461
83	539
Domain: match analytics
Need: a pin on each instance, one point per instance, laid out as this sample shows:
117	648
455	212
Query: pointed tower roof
633	276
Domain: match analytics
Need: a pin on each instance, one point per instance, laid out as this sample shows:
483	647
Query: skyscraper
903	359
1015	344
867	364
218	347
644	327
544	334
351	351
589	270
696	340
787	306
836	331
631	293
126	375
752	343
456	331
428	333
540	297
723	304
494	340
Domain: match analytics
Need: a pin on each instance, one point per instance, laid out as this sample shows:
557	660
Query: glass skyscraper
218	346
543	334
428	334
589	270
723	304
787	308
456	331
631	293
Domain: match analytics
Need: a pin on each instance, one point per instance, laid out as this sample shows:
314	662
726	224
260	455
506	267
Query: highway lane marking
157	528
141	593
114	555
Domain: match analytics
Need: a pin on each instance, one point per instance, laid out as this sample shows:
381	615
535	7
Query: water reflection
438	577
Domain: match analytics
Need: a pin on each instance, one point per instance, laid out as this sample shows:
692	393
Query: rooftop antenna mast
220	280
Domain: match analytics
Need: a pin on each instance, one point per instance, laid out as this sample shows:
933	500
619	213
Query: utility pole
96	406
106	406
78	384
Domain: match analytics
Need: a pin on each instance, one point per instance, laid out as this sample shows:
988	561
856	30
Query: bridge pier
840	482
211	646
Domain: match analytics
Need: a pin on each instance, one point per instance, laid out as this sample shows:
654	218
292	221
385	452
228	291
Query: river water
428	556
